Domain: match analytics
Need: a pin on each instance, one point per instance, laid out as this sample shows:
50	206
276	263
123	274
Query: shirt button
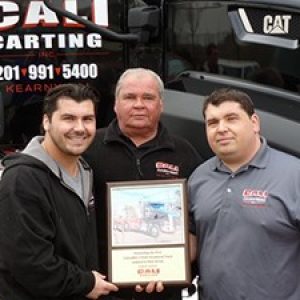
229	190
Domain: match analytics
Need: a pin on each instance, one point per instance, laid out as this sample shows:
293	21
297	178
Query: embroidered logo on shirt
164	169
253	197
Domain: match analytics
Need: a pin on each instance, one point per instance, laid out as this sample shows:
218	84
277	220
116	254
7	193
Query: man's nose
79	125
222	126
139	102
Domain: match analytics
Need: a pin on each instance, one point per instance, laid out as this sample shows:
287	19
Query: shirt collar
161	140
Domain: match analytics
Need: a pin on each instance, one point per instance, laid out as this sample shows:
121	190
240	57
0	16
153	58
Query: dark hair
77	92
227	94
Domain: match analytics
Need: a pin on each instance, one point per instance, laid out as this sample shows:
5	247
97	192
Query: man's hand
152	286
101	287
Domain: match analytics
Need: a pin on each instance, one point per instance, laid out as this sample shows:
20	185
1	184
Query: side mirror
144	21
90	26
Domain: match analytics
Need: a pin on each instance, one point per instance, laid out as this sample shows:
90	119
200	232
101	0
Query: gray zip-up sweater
47	232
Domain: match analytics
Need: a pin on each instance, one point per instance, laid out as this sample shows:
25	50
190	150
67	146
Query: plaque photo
148	232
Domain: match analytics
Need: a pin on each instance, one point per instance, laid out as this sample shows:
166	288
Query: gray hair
140	71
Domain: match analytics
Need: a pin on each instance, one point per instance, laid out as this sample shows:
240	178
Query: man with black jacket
136	146
47	228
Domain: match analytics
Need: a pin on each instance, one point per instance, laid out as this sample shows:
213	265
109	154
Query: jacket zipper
138	164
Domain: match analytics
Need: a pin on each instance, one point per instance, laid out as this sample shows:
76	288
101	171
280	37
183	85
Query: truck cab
195	46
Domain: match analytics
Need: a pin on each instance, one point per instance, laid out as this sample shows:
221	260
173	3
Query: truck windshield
201	38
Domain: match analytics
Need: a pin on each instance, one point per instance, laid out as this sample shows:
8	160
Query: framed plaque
148	232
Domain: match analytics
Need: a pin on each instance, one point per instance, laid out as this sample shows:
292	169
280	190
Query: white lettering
100	12
50	41
268	24
277	24
62	41
31	42
94	40
75	41
286	22
13	42
39	13
9	21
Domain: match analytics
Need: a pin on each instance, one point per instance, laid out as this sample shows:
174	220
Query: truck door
196	46
40	49
253	47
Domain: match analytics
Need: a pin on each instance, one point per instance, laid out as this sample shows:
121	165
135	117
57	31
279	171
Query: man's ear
256	123
115	105
46	122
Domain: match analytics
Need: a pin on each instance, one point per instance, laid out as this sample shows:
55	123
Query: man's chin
77	150
139	123
227	157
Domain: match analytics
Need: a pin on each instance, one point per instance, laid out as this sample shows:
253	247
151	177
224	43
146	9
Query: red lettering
47	54
163	165
9	88
255	193
31	88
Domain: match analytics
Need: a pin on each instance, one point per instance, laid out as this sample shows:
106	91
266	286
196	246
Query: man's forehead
66	105
225	106
134	81
64	101
223	109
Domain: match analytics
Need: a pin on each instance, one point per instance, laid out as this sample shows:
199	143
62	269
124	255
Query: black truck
195	46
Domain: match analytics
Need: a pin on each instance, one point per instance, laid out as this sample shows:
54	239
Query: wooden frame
148	232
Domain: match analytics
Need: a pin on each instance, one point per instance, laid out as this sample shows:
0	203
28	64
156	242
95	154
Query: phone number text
46	72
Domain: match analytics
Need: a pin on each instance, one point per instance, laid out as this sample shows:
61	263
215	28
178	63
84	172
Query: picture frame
148	232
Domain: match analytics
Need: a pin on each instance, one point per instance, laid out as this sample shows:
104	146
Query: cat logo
276	24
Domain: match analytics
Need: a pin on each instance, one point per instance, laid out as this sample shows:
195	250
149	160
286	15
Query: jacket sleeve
27	238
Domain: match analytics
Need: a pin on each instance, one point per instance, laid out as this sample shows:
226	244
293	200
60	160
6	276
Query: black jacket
47	235
113	157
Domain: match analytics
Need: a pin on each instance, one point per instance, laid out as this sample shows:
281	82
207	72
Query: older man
136	146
